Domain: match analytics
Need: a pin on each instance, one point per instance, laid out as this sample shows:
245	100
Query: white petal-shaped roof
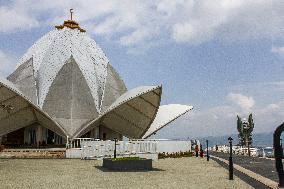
166	114
10	85
114	88
23	78
133	93
131	114
51	52
16	111
69	100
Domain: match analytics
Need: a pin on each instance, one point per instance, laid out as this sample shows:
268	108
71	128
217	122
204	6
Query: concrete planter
121	165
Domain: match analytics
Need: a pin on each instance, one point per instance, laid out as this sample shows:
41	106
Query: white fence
99	149
76	142
88	148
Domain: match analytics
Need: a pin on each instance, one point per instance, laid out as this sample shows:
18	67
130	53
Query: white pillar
67	142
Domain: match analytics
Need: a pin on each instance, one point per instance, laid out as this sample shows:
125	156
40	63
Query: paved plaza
70	173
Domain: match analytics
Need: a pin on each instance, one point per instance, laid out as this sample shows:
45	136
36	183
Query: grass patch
127	158
175	155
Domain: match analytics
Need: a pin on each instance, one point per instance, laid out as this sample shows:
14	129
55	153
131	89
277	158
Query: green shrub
127	158
175	155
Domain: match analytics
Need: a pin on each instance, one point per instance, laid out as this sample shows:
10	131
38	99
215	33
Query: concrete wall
74	153
171	146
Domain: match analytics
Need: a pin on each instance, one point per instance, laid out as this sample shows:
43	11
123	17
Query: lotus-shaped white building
65	87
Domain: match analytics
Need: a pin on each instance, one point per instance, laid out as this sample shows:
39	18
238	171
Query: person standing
196	150
201	151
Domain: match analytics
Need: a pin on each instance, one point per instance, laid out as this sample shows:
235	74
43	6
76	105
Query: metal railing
76	142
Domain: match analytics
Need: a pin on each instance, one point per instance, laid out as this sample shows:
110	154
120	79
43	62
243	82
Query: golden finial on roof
71	12
70	24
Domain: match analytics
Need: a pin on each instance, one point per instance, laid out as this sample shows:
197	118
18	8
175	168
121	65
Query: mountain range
259	140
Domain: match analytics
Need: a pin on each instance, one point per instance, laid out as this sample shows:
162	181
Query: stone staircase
51	153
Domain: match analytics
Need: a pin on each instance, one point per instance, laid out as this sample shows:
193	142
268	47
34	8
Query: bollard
231	167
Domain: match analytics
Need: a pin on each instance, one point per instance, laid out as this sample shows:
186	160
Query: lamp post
115	140
278	154
207	153
230	160
281	145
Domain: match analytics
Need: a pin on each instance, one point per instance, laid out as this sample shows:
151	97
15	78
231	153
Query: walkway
260	169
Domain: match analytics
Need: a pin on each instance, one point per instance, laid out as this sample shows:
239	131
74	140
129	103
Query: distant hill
259	139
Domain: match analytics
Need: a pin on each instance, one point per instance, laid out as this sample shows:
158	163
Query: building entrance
32	136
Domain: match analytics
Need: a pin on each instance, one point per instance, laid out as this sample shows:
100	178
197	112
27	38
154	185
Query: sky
224	57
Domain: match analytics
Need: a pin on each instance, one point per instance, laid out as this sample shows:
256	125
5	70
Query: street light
207	150
230	160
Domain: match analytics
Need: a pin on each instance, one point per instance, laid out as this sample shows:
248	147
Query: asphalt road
262	166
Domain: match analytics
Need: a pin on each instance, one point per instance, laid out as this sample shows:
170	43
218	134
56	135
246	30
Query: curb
267	182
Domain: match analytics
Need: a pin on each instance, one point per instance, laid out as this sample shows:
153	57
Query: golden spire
70	24
71	12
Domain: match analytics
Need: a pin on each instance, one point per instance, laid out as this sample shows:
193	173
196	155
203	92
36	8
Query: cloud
136	37
132	22
278	50
16	18
222	119
7	63
261	90
184	32
245	102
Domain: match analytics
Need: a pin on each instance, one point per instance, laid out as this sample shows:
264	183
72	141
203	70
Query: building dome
64	87
68	76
